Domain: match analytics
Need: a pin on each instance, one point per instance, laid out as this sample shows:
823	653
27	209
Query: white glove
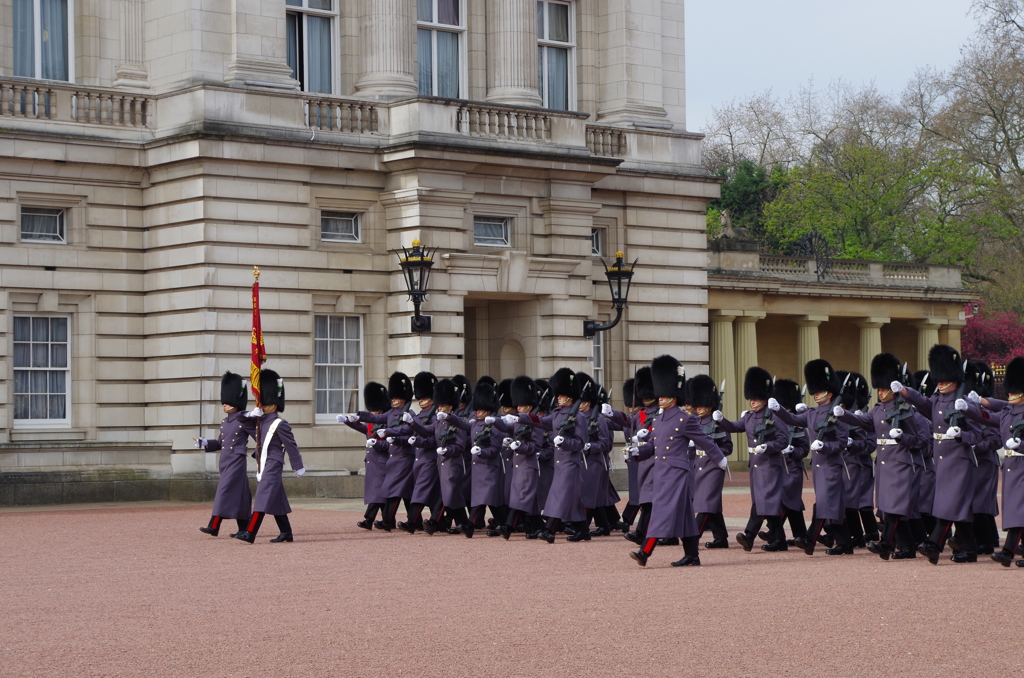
896	387
761	448
634	451
441	416
475	450
717	415
723	464
506	441
351	418
382	433
587	446
370	442
606	410
960	405
511	419
301	472
488	420
625	454
558	440
788	450
953	432
255	414
412	440
817	445
390	440
201	443
1012	443
407	417
743	413
442	450
642	434
974	397
801	408
691	444
838	411
515	445
849	441
773	405
635	440
895	433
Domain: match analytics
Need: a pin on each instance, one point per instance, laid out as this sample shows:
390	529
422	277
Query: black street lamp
618	273
416	269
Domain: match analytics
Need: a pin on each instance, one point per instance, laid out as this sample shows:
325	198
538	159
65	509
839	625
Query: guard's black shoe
1004	558
407	527
491	523
1019	563
247	537
791	542
493	533
686	560
568	529
641	558
236	534
826	540
804	543
954	545
600	532
454	530
284	536
1020	549
763	536
430	526
717	544
744	540
775	546
965	557
546	536
879	549
929	550
468	529
210	531
838	550
620	525
986	549
505	531
668	541
381	525
858	543
365	524
533	535
904	554
582	535
874	536
633	537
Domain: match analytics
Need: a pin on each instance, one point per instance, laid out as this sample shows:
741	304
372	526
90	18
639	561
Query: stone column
952	333
870	342
258	47
631	75
746	350
512	53
131	72
722	364
927	336
389	47
807	348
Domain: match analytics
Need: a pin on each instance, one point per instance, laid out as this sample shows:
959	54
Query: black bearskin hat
589	390
524	392
668	378
644	385
980	379
487	380
855	389
375	397
563	383
1015	376
819	376
465	392
602	396
545	395
423	385
504	392
629	398
787	392
885	369
399	387
232	391
446	392
924	383
485	398
703	392
757	384
945	364
271	389
862	392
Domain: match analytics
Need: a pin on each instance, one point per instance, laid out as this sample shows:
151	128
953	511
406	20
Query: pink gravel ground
138	591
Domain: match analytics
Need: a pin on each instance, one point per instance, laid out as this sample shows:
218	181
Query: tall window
42	370
491	231
338	363
440	31
310	28
42	225
597	359
42	40
556	41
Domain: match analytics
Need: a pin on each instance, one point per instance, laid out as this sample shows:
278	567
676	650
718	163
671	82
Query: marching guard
787	392
398	480
527	443
451	466
375	397
709	477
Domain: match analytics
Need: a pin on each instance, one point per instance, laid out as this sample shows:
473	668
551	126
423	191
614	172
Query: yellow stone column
952	333
870	343
927	336
807	348
723	368
745	328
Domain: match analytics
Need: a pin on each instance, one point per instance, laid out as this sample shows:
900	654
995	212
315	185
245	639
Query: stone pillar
258	47
870	342
389	47
723	361
131	72
512	53
631	75
927	336
807	348
952	333
745	328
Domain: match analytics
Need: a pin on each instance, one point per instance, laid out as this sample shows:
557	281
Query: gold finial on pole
256	272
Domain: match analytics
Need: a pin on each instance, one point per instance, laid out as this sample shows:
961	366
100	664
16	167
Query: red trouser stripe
649	546
215	523
252	521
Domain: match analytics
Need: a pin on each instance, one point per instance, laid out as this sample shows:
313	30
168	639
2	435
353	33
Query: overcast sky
737	48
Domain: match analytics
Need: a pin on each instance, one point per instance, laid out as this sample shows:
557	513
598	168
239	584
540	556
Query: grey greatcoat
926	492
270	496
375	461
451	466
595	473
565	496
860	483
426	484
645	456
620	421
401	455
488	476
827	463
233	498
709	479
767	469
793	480
525	470
672	505
986	475
1004	416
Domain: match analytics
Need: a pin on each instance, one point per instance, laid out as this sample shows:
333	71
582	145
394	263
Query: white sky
737	48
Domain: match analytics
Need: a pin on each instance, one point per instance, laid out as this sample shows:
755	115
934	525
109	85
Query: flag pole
258	356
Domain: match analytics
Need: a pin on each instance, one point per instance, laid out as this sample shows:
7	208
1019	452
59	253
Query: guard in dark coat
1008	416
233	498
892	424
546	456
389	426
642	450
595	450
273	441
858	479
709	478
923	526
569	433
623	421
465	411
980	380
955	435
451	467
672	512
828	440
426	484
527	443
375	397
486	433
766	440
787	392
504	391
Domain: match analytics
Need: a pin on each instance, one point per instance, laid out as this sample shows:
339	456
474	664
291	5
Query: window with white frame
310	27
339	227
556	57
338	363
597	241
43	225
43	43
597	358
440	37
42	370
492	231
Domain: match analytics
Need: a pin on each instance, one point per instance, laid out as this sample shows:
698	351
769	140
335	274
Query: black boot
213	529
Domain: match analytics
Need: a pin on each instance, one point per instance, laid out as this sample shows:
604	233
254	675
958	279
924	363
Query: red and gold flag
259	351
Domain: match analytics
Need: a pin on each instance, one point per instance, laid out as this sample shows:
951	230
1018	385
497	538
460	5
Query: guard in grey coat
858	478
397	486
486	435
623	421
274	440
426	484
709	478
642	450
980	380
787	392
596	448
375	398
527	443
233	498
451	467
